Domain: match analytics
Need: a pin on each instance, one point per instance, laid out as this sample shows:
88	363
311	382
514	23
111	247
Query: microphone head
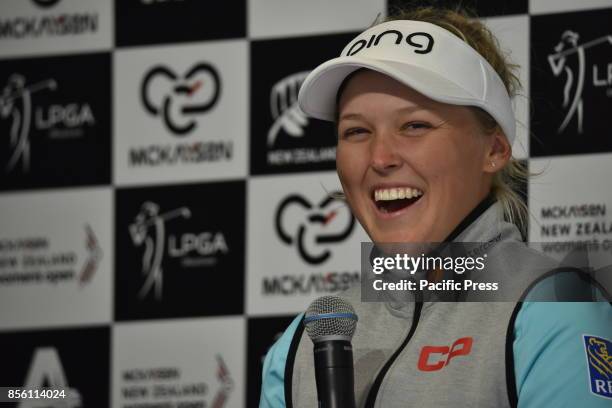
330	318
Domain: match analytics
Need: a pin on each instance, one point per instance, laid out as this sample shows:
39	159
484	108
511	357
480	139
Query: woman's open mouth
391	200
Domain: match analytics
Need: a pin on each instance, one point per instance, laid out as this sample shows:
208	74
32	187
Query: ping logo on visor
423	46
599	361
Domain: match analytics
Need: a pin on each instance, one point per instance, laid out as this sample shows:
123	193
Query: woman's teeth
388	194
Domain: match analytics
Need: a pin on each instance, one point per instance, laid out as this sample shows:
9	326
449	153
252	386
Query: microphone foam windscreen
330	316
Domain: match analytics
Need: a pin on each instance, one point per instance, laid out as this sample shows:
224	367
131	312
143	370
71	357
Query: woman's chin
400	237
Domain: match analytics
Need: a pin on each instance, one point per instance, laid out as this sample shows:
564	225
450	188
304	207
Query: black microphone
330	322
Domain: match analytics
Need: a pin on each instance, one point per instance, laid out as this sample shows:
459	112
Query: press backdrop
158	183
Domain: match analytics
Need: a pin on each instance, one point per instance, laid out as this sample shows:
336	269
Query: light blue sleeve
551	354
273	375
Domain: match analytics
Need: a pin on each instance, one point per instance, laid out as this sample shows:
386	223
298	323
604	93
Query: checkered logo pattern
162	196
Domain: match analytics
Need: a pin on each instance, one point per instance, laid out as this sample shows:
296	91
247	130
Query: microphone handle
334	374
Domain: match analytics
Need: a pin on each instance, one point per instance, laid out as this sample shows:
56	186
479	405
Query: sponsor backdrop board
302	242
42	27
55	122
176	21
147	373
73	360
177	248
165	207
56	257
181	113
283	139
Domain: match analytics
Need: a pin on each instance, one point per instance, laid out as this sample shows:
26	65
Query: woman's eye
353	132
416	126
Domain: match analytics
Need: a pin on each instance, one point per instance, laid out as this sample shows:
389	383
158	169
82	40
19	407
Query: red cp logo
434	358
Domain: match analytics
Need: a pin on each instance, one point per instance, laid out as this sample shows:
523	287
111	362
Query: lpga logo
148	228
192	249
16	104
569	61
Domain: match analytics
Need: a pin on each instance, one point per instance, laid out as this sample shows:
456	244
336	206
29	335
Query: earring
492	164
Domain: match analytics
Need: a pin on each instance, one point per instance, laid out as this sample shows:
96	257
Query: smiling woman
393	140
422	105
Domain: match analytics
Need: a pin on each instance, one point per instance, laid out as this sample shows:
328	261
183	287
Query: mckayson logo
48	25
569	62
312	230
177	100
315	228
46	3
194	249
59	121
46	370
306	284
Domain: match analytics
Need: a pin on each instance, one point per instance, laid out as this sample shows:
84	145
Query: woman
425	129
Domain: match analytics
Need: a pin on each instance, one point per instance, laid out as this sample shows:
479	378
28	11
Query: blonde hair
507	183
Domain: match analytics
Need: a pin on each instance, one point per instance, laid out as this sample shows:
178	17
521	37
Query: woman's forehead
368	83
368	88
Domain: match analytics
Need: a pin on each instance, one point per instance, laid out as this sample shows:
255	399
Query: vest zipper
373	393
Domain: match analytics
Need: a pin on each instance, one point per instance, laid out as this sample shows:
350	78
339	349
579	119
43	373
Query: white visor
423	56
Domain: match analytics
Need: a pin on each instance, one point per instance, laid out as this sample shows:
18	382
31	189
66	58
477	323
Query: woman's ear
498	153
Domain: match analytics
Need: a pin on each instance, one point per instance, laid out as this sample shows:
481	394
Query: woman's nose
384	156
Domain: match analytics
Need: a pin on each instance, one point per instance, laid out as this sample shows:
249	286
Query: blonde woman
425	128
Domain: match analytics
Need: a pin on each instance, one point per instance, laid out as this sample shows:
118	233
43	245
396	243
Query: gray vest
425	354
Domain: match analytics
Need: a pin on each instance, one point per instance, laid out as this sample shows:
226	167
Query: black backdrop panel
55	121
571	83
75	360
159	21
176	246
283	140
263	332
482	7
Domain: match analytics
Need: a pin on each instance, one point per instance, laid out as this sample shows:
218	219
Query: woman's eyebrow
406	109
351	116
412	108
